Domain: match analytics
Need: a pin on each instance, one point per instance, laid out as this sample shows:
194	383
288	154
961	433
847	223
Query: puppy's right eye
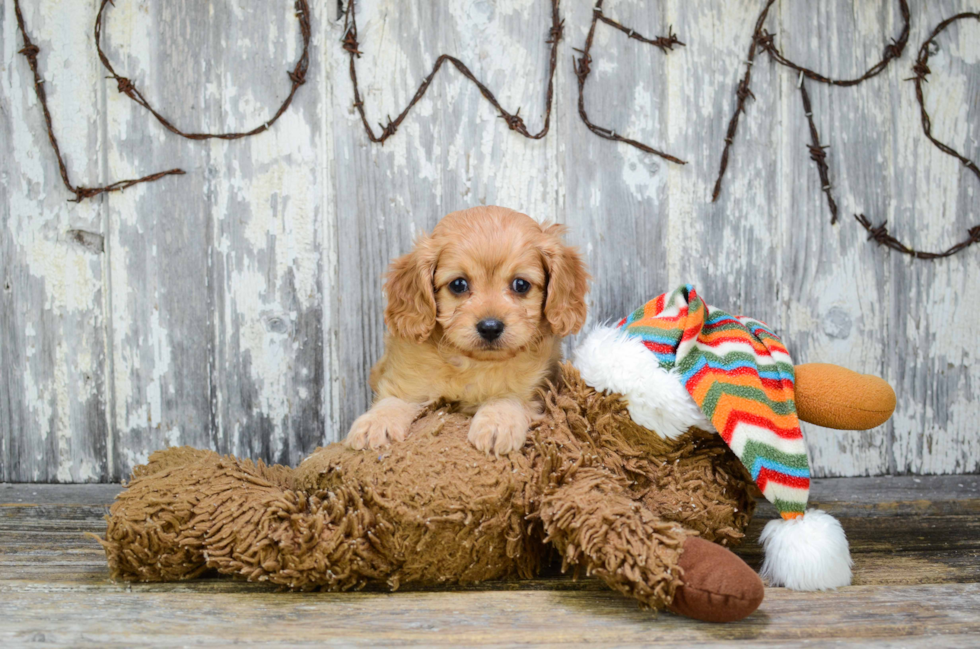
458	286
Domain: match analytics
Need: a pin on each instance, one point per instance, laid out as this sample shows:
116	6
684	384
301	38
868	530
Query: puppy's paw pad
376	429
483	434
360	431
499	428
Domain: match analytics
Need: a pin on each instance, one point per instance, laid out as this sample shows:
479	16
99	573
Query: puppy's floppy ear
411	308
568	282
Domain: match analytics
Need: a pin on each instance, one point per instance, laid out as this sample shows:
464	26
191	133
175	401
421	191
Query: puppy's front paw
386	422
500	427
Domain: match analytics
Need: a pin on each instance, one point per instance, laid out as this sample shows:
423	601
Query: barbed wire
921	71
764	40
514	120
31	52
297	77
818	152
583	66
742	93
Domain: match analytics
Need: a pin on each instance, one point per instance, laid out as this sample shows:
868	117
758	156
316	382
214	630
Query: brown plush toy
650	516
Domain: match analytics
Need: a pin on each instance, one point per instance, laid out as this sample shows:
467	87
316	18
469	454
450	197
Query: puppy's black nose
490	329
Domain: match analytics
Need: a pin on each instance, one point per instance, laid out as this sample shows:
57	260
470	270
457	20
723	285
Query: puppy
475	315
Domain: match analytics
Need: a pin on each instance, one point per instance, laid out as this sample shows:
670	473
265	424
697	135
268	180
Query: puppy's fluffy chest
423	372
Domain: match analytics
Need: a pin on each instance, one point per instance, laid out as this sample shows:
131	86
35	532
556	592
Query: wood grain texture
239	307
937	613
53	285
916	580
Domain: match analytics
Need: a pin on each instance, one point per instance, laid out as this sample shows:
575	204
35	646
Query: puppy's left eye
520	285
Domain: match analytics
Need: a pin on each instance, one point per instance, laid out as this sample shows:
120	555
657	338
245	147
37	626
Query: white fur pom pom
806	553
608	359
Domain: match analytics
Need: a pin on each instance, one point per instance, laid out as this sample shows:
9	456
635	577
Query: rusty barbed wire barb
744	92
583	66
123	85
31	52
766	40
921	71
514	122
350	42
388	129
297	77
556	33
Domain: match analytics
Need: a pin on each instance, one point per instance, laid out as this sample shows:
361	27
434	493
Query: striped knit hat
681	363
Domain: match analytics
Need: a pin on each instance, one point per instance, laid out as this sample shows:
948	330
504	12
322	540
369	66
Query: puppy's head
492	279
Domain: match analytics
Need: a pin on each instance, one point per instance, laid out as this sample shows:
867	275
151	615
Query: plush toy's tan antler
836	397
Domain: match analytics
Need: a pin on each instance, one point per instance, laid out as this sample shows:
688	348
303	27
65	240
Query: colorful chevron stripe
741	376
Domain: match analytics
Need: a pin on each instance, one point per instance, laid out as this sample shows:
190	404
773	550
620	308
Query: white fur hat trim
608	359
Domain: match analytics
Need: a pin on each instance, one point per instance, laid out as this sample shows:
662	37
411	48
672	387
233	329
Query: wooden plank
71	561
264	266
46	494
917	567
933	549
52	281
877	158
159	235
932	488
859	613
230	353
935	201
56	520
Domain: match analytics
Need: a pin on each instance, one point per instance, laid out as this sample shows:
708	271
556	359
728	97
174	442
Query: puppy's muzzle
490	329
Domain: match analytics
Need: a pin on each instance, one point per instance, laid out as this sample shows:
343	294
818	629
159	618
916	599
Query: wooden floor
915	541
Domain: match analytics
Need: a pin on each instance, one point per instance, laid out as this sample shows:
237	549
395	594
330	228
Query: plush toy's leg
718	586
595	523
835	397
252	528
188	512
147	519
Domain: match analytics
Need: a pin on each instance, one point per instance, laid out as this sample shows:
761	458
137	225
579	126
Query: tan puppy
476	314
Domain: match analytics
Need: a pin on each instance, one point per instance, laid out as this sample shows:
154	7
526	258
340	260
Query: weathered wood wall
239	307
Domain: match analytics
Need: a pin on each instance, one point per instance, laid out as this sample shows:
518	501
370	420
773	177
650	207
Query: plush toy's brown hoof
718	586
835	397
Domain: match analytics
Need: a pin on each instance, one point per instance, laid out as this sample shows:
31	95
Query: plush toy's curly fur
605	493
